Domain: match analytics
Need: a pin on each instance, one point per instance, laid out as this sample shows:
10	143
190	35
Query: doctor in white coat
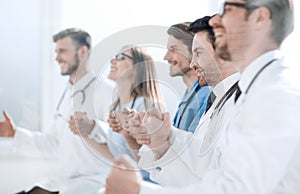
78	169
261	141
190	156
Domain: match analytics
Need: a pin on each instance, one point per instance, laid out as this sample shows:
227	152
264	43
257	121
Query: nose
215	20
113	61
193	63
57	58
167	55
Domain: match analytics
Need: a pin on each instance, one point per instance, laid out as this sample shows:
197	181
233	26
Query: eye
198	54
119	57
227	9
61	51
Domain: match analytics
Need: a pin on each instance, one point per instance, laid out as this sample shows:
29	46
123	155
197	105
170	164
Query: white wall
26	28
29	75
20	37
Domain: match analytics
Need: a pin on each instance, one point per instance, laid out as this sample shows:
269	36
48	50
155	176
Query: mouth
113	69
199	71
172	63
62	64
219	32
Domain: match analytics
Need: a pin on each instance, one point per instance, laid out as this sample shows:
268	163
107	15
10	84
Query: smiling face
121	67
67	56
204	61
232	30
177	57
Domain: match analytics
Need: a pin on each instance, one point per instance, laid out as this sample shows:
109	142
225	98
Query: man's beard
185	70
223	53
181	73
73	68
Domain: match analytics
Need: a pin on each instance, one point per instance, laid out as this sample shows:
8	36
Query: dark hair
202	24
180	31
282	16
80	37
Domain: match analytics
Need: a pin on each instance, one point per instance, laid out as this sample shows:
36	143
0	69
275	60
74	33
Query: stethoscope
82	91
212	133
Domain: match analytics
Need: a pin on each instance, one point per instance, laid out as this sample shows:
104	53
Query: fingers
72	125
80	116
6	115
166	116
143	139
155	112
113	123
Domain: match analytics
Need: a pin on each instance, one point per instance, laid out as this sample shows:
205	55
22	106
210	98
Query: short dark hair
202	24
80	37
180	31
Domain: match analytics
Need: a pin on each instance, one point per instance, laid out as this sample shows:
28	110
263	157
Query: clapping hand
7	127
80	124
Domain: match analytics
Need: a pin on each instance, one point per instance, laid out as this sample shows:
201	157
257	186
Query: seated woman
137	89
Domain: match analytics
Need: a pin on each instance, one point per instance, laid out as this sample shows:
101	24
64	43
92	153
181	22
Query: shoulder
203	91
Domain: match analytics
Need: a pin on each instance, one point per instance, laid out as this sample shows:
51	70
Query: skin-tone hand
7	127
124	177
80	124
113	122
115	119
149	129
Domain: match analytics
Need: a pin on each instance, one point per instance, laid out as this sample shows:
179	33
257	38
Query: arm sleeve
260	153
34	143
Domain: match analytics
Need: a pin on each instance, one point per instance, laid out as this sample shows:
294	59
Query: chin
111	78
174	74
171	74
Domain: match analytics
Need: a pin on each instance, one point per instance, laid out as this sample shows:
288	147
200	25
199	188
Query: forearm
32	143
132	144
160	150
102	149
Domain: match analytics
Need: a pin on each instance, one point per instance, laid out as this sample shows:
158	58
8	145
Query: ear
263	17
82	52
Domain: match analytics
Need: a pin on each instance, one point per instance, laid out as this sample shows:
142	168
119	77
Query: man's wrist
92	124
96	135
161	150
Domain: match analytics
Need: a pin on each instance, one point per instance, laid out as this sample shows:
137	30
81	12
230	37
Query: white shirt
261	154
184	163
75	159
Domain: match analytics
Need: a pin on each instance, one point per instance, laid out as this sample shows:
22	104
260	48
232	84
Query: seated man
78	170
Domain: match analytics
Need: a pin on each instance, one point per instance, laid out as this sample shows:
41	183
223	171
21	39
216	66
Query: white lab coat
262	137
78	168
184	162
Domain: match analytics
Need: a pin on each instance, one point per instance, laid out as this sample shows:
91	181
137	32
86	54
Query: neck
246	56
78	74
189	79
124	92
227	68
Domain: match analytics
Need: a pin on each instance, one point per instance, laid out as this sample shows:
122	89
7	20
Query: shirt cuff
177	146
99	132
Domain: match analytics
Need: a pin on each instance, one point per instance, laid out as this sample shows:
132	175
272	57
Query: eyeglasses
242	5
121	56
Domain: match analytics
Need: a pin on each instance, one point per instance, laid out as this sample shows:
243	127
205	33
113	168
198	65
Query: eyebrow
173	47
198	48
60	49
